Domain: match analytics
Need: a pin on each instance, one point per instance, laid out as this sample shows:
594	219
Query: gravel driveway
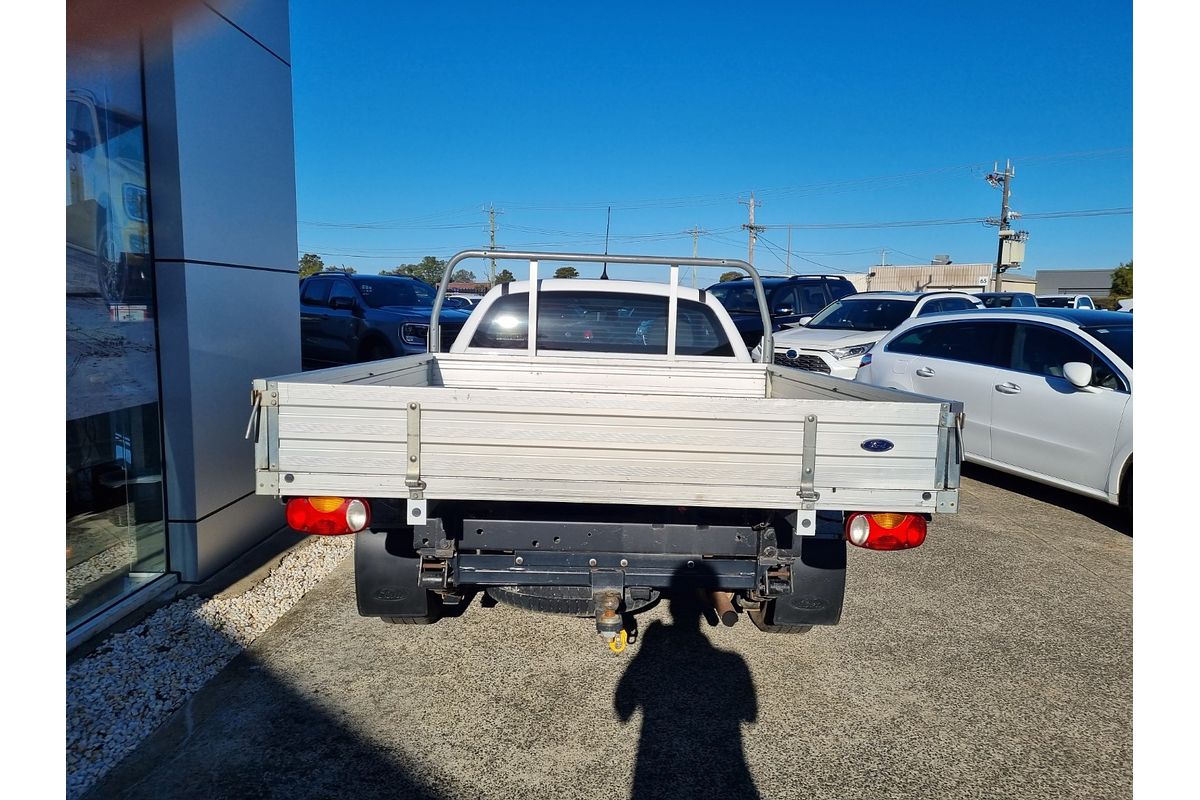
994	661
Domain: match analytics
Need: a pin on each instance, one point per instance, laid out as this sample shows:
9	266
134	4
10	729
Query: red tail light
885	531
328	516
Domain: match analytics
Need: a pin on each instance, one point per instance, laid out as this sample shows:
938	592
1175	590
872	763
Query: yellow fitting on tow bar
618	643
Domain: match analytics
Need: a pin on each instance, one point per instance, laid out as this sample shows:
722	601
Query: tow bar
608	620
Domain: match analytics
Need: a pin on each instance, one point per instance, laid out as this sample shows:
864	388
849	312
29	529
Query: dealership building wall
1096	283
208	169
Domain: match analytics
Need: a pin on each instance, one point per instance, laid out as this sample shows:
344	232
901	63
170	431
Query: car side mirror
804	320
784	311
339	303
1078	374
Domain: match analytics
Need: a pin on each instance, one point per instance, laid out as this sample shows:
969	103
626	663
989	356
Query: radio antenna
607	228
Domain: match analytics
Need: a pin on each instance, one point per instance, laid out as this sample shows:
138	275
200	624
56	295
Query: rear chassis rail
466	547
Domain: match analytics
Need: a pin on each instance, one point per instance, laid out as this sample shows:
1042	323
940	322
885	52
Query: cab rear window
602	322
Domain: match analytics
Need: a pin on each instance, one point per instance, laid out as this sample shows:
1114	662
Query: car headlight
415	333
852	351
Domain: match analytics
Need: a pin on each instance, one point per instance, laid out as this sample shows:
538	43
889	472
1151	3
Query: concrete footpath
994	661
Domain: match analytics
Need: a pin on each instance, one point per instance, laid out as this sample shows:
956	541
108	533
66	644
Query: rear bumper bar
454	555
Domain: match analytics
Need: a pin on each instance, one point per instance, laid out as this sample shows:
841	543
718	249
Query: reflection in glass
115	527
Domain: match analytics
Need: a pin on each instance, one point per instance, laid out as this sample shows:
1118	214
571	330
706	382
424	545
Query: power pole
787	267
752	228
492	226
1001	181
695	232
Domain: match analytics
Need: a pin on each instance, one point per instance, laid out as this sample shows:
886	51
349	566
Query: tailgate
429	443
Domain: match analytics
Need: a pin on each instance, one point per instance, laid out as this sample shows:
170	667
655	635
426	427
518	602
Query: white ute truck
587	444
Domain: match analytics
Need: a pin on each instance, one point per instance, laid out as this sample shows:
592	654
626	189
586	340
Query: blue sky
412	118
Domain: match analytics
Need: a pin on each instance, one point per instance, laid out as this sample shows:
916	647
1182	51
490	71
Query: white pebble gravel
135	680
114	559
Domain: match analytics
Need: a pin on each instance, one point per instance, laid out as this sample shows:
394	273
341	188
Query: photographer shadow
694	699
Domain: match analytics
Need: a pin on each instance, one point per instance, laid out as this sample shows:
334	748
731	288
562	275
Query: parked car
345	319
1125	304
1007	299
1065	301
1047	393
834	341
463	302
789	298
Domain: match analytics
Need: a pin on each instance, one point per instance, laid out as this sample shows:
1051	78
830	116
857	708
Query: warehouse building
935	277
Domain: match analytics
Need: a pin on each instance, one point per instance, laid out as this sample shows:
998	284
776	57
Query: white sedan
1047	392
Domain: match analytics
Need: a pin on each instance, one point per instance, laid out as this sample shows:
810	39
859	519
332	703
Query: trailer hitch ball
608	621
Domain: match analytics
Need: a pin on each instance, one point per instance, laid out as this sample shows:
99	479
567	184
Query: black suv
788	299
345	319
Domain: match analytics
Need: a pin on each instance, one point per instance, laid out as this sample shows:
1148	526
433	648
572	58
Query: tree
504	276
430	270
310	264
463	276
1122	281
730	276
566	272
341	268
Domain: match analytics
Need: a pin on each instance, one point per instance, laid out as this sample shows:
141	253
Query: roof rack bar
435	328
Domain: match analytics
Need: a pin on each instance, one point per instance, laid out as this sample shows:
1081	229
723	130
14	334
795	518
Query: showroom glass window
115	528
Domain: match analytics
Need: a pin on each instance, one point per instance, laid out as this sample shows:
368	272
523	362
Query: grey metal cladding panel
242	324
237	172
265	20
162	146
175	376
200	549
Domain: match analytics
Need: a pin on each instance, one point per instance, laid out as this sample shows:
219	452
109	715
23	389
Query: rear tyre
763	618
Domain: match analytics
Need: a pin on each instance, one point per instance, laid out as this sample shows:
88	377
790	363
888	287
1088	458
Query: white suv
1047	392
834	340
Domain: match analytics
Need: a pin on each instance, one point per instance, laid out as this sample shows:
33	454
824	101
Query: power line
826	187
393	223
578	238
773	248
918	223
715	198
910	255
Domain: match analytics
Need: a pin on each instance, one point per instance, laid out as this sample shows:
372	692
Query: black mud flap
818	585
385	576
